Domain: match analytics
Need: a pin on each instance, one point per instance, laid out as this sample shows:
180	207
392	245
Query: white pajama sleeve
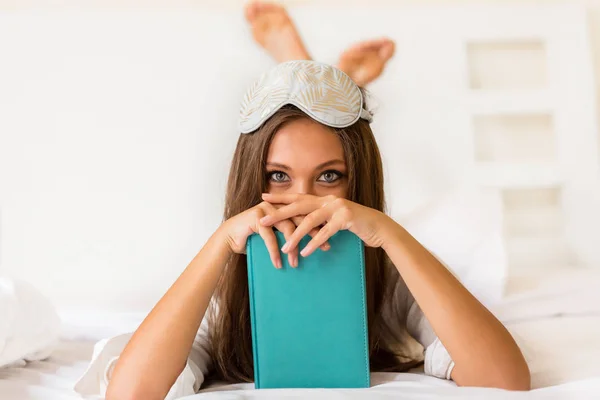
94	381
438	362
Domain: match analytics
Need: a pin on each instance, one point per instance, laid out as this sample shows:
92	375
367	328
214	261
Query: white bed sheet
50	379
408	387
53	379
557	326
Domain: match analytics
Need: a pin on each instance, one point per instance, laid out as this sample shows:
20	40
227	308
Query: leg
273	30
364	61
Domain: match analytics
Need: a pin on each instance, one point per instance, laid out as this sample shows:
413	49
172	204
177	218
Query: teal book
309	324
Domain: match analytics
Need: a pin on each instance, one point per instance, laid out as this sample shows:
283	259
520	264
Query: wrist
391	233
222	237
212	258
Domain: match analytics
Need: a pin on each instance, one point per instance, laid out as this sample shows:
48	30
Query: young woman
307	162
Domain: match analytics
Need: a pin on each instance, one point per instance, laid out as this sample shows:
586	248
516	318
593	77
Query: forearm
157	352
483	351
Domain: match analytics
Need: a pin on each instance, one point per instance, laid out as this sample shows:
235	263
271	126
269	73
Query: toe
367	45
387	49
251	10
255	8
270	7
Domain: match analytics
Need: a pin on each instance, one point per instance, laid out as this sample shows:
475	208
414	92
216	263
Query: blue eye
278	176
330	176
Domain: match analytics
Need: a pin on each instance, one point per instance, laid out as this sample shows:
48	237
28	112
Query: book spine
250	269
364	310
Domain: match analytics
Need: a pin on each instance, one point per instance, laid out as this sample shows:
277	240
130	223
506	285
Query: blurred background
118	122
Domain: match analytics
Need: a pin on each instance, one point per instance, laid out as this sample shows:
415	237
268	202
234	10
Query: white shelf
518	175
510	102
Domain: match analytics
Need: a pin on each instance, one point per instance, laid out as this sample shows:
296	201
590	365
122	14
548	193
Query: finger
284	198
321	237
298	220
309	223
289	198
287	227
325	246
270	240
301	207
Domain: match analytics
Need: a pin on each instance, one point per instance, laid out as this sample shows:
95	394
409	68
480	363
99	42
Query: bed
557	326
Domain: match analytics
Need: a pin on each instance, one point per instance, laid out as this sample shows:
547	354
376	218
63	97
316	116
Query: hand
335	213
239	227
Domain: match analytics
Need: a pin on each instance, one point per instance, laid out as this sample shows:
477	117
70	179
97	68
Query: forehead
304	142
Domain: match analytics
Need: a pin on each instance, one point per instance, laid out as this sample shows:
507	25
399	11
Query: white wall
117	129
115	145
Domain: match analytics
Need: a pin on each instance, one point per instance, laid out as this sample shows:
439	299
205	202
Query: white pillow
463	228
29	324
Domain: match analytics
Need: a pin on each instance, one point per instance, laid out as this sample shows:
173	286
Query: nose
303	186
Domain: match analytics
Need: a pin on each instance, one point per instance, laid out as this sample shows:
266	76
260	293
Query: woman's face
306	157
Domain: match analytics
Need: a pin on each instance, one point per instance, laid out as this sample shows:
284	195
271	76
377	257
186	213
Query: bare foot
273	29
364	61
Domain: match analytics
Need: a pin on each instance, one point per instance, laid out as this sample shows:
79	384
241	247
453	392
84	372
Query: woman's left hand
334	213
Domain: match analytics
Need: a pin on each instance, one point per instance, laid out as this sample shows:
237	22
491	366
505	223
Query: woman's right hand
239	227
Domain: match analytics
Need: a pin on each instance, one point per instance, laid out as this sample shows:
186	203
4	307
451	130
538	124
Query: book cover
309	324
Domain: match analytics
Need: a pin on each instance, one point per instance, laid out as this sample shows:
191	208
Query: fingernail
304	252
279	264
264	220
326	246
285	247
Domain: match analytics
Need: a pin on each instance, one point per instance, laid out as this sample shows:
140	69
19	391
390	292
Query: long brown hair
229	326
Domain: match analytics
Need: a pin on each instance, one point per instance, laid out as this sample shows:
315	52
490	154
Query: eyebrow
320	166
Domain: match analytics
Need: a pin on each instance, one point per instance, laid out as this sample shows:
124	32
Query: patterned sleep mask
323	92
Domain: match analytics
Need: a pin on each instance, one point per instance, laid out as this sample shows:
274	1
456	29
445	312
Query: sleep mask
323	92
